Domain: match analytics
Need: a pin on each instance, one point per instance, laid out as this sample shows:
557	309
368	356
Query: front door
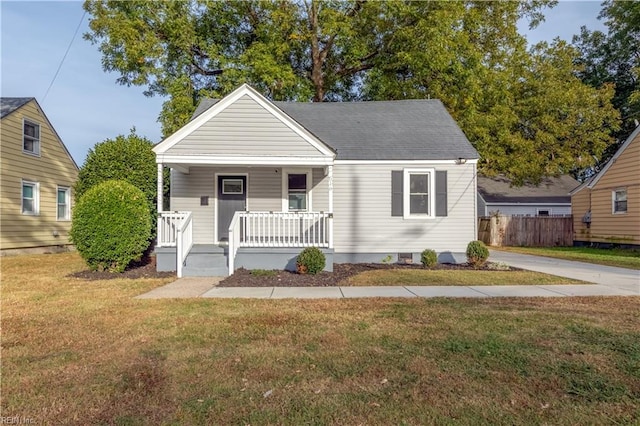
232	197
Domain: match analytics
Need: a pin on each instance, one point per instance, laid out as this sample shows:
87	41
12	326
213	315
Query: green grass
86	352
453	277
624	258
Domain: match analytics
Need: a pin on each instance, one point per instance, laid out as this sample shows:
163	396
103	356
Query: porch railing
175	229
168	224
279	229
184	239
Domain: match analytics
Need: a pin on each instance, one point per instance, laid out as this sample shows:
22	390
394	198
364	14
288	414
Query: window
64	203
31	137
232	186
619	201
29	198
544	212
297	191
419	193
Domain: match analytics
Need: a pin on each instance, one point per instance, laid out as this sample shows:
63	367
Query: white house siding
244	128
527	210
363	221
264	194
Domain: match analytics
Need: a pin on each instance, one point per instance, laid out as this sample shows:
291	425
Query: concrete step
191	271
206	260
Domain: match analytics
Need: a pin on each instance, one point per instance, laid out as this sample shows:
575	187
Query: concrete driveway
610	276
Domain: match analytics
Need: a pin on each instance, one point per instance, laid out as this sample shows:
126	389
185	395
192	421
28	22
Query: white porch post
330	176
160	187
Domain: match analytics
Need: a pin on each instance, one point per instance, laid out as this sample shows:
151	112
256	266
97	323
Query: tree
128	158
614	59
469	54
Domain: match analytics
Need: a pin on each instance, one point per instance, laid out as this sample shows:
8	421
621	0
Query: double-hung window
30	137
64	203
30	198
619	200
297	191
419	193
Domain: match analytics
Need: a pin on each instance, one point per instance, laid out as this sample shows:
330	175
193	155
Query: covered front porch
224	217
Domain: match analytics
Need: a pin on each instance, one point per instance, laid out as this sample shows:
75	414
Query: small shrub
311	260
477	253
429	258
498	266
111	225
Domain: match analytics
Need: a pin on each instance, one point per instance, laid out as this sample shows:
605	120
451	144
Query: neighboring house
37	175
606	208
549	198
255	181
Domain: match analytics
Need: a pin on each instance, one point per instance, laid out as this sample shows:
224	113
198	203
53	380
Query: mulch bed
341	271
145	268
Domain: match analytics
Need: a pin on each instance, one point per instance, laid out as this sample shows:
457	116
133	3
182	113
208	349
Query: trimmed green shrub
111	225
477	253
310	261
429	258
129	158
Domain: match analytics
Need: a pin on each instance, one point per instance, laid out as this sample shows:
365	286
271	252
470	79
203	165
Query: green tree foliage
469	54
614	59
129	158
111	225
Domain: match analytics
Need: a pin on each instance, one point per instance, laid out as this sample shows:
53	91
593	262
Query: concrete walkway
608	281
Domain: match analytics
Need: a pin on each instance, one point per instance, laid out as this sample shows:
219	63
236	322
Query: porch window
232	186
297	191
619	198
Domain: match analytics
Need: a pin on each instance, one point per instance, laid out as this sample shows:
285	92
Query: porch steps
206	261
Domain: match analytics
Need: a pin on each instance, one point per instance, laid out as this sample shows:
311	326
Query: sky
85	105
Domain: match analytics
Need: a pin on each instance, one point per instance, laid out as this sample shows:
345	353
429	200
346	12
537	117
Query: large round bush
311	260
111	225
129	158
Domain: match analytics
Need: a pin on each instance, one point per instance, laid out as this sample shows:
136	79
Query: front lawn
87	352
453	277
623	258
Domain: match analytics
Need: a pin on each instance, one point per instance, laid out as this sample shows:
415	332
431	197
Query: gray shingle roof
380	130
8	105
551	190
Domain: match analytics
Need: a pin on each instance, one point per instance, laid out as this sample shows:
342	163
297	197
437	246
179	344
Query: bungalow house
36	174
254	181
549	198
606	208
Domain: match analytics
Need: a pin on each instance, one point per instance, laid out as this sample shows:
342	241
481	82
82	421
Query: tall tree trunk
317	56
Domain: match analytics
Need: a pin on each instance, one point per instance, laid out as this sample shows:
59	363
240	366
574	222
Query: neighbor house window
544	212
297	191
30	198
419	193
31	137
619	201
64	203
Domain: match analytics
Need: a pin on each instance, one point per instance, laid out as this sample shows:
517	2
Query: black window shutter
396	193
441	193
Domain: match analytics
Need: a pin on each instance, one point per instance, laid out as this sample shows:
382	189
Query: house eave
204	160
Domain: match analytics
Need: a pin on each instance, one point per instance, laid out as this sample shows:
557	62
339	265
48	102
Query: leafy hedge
111	225
129	158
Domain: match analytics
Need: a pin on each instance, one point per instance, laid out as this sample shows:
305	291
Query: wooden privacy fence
528	231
